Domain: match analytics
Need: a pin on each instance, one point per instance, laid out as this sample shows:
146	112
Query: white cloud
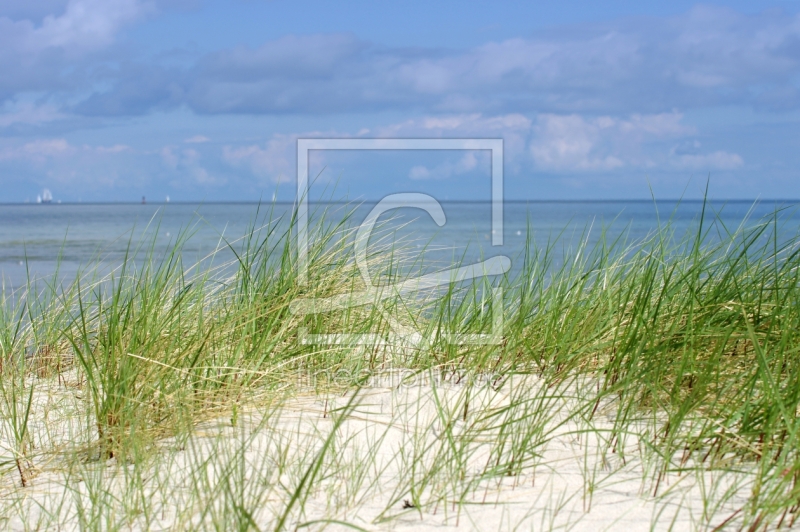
85	24
187	162
46	148
513	128
170	158
55	59
272	161
462	124
569	143
572	143
116	148
43	149
29	113
67	168
466	163
660	125
197	139
419	172
275	160
718	160
201	176
39	151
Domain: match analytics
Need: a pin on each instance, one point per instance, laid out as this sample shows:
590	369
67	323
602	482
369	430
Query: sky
112	100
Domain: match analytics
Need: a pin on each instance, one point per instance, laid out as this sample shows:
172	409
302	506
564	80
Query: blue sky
110	100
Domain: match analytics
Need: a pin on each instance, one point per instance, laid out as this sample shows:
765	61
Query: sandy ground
406	458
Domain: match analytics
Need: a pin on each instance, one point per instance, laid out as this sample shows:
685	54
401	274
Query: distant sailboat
47	197
38	198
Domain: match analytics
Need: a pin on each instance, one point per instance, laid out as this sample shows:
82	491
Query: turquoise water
35	238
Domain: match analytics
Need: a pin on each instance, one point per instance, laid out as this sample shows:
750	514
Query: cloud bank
708	56
599	99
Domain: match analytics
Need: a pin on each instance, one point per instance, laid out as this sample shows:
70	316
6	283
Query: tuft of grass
669	358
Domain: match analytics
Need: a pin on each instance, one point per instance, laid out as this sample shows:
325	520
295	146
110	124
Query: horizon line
370	200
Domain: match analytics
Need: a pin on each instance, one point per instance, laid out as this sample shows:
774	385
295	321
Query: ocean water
35	240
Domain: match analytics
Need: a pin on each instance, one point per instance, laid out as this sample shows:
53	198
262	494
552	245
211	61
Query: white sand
571	480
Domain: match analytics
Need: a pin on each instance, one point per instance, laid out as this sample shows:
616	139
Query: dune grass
162	395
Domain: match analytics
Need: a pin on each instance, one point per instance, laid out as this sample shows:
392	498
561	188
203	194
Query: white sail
38	198
47	197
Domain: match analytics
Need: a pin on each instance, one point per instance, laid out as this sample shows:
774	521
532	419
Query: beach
647	384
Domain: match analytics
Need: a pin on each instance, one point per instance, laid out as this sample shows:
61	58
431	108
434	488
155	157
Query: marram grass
678	353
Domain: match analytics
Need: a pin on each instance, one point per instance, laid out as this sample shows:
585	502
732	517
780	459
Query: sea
38	241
